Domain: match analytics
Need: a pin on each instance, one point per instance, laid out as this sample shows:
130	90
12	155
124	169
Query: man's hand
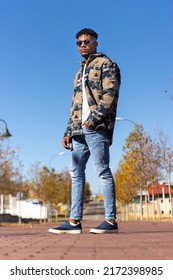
66	141
86	125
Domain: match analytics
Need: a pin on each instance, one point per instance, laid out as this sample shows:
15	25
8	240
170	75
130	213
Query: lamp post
50	161
6	133
123	119
169	189
152	189
58	154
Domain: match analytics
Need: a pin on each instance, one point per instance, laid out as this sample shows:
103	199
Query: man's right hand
66	141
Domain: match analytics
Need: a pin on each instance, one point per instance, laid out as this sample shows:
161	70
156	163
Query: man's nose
83	44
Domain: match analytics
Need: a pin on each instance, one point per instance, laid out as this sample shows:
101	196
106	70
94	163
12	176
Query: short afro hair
87	31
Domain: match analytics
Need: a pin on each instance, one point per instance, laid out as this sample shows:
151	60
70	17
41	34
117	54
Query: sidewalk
136	240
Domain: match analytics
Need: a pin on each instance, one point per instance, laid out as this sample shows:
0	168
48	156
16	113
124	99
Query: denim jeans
96	144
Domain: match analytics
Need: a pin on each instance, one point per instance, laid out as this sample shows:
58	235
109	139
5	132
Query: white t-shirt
85	107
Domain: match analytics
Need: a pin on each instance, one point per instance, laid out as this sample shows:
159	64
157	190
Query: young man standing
90	131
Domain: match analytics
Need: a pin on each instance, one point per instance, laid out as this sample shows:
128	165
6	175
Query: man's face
87	45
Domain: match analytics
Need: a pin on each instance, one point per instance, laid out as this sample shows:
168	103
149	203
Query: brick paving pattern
136	240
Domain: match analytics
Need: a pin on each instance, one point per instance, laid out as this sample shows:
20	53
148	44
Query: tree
140	164
166	159
51	187
9	173
126	183
165	151
87	191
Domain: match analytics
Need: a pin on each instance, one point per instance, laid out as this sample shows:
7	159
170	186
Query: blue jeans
96	144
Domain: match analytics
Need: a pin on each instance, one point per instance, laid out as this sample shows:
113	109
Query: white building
13	209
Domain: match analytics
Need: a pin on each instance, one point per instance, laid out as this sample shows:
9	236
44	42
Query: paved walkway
136	240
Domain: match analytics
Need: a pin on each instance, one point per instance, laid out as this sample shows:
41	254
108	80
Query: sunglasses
86	42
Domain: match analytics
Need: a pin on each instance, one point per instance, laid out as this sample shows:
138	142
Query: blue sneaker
67	228
105	227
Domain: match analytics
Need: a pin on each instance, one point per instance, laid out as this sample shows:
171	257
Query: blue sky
39	58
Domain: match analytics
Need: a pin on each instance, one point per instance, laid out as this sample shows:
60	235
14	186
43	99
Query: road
94	211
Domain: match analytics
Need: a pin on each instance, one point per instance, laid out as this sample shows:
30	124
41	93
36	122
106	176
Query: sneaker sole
65	231
101	231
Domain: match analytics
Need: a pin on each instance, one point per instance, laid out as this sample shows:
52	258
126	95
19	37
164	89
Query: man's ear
95	44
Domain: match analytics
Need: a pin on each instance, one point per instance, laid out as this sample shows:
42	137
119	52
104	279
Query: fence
154	210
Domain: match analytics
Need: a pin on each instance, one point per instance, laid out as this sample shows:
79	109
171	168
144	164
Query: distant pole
50	161
19	197
169	188
141	204
2	207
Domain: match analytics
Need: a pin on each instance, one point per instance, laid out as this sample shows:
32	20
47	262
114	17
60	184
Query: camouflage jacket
102	81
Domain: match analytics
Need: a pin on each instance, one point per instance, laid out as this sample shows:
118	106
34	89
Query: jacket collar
91	58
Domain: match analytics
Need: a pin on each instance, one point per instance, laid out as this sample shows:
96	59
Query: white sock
72	224
110	223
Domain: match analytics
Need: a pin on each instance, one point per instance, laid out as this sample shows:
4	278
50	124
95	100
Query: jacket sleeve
68	129
111	80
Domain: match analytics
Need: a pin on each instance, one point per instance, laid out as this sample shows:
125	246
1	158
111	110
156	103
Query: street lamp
123	119
152	188
6	133
58	154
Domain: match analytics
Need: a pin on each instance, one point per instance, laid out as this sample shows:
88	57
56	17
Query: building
13	209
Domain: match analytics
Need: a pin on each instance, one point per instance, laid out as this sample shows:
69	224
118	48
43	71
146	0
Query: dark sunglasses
86	42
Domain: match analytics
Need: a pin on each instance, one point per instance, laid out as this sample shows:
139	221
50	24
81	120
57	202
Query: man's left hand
86	124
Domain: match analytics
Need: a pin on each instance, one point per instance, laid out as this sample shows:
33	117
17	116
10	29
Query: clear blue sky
39	58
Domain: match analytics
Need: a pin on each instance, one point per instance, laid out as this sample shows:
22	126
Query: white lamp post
123	119
58	154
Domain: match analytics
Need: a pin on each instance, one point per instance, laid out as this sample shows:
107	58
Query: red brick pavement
136	240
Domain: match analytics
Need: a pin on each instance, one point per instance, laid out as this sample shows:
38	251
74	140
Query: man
90	130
